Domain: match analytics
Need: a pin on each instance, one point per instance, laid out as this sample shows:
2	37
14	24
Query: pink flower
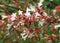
31	30
27	31
22	16
15	22
54	35
1	23
58	8
53	27
27	21
12	17
9	16
37	9
32	18
47	38
17	17
48	18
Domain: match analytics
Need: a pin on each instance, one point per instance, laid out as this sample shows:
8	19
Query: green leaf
42	41
21	41
32	25
49	32
27	40
38	42
41	35
1	13
36	23
1	41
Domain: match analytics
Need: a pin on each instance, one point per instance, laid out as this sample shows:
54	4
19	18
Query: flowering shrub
29	27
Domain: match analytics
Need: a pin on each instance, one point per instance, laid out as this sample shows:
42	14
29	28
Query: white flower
54	12
13	16
18	24
32	8
41	22
14	26
27	14
20	12
30	35
37	14
45	14
56	26
9	25
40	3
27	10
24	36
21	22
4	16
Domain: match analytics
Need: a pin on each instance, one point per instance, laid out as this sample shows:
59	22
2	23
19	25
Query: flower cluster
31	24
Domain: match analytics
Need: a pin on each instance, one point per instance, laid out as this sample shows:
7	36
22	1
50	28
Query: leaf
49	30
41	35
11	10
27	40
21	41
32	25
56	41
36	23
1	41
42	41
1	13
38	42
1	33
